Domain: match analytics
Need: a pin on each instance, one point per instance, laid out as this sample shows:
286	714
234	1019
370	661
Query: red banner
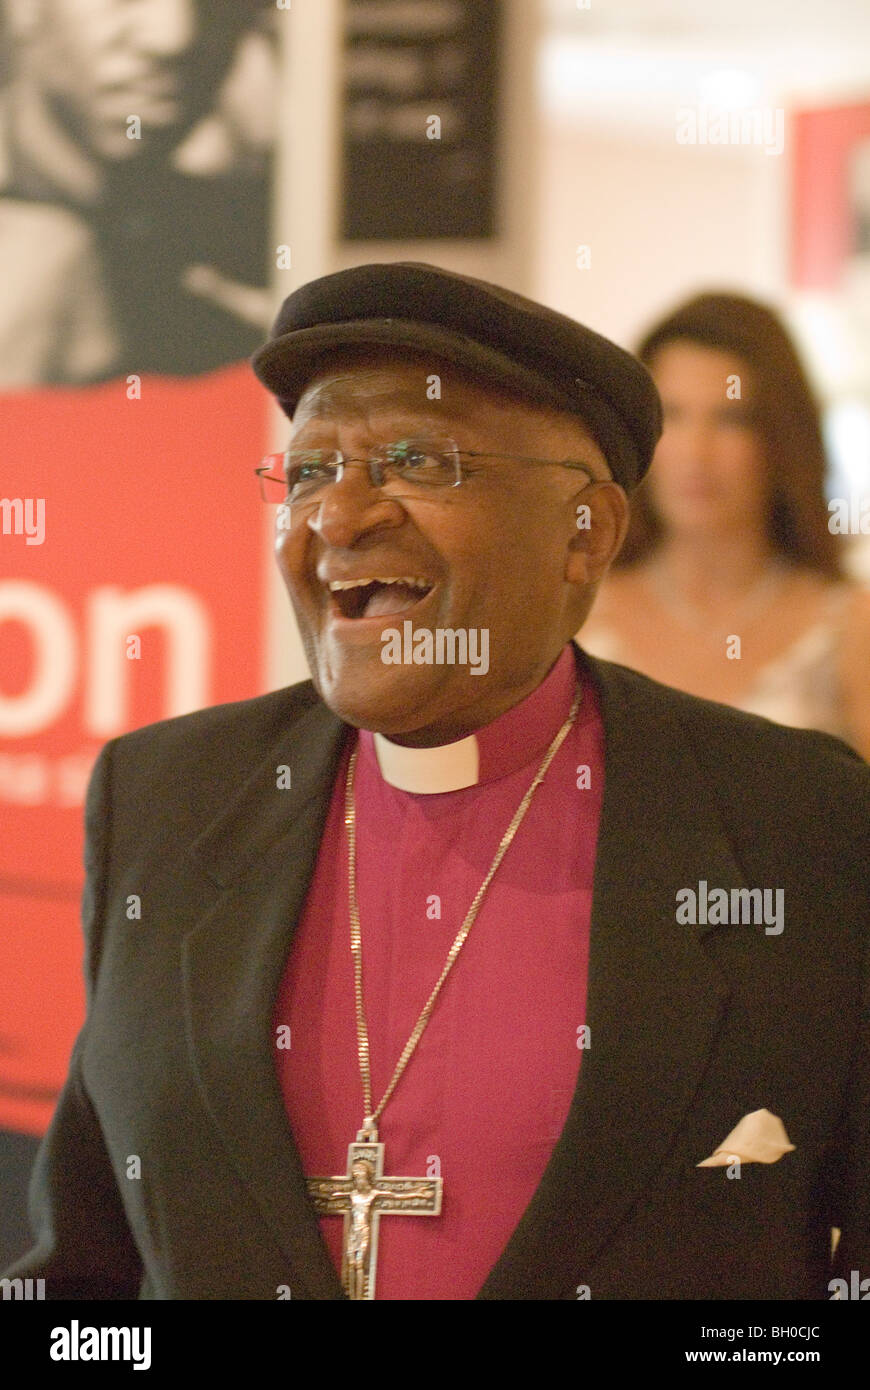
828	203
132	577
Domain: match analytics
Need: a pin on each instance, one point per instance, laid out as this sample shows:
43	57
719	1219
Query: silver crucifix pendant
362	1196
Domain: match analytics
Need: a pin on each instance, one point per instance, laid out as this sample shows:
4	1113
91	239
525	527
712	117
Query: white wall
662	220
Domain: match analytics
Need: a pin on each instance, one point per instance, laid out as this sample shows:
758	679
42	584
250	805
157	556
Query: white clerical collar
447	768
516	739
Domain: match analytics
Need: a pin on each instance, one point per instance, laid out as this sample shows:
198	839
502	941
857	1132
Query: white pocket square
760	1137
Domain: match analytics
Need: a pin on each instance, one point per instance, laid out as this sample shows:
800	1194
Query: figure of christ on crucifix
362	1203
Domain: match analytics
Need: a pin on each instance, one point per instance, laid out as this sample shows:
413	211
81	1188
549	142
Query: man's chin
391	713
392	701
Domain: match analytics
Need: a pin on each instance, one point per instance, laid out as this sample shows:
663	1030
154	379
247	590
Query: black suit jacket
692	1027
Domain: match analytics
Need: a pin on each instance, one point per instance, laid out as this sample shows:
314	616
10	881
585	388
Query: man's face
99	62
501	553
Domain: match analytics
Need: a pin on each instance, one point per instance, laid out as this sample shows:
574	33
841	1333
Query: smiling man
492	541
412	941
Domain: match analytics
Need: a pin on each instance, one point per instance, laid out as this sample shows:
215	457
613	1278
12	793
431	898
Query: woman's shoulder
857	602
844	600
855	627
854	663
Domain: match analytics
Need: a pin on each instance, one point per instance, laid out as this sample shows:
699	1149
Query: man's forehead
392	382
400	387
429	392
424	389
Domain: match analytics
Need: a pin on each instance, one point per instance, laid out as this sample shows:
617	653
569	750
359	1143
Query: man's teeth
410	580
377	595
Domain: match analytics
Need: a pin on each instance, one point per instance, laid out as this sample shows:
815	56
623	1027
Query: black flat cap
501	338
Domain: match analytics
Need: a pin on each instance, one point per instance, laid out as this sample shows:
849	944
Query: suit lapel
647	1053
261	853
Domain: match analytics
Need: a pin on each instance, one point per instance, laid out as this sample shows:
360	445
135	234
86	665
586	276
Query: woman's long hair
786	420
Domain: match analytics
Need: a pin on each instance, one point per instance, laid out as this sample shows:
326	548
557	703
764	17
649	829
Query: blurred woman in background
729	534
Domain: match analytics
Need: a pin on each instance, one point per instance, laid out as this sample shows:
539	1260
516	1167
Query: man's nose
166	28
351	505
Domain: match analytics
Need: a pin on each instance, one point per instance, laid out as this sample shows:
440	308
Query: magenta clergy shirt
484	1098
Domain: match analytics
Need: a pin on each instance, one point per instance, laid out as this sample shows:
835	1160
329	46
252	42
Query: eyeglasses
407	468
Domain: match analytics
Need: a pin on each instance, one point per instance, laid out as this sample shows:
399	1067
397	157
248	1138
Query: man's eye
307	470
418	457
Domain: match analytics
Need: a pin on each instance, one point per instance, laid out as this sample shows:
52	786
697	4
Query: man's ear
601	521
